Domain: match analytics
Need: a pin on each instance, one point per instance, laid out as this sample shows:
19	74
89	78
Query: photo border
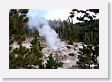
102	72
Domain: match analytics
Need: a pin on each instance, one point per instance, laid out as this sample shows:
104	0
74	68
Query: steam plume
46	31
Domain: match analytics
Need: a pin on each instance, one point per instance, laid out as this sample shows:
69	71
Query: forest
29	50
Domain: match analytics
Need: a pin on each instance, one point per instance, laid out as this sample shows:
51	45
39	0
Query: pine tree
87	57
18	31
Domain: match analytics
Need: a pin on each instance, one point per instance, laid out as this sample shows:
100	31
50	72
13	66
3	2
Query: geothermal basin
68	54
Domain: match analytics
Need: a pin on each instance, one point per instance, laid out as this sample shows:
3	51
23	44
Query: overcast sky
51	14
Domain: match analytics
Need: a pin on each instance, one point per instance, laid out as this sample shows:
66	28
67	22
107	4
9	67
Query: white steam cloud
46	31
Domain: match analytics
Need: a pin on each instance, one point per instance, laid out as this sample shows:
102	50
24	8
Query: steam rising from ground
67	55
46	31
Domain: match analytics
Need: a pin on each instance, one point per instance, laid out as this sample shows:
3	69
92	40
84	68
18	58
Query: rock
68	47
70	43
71	54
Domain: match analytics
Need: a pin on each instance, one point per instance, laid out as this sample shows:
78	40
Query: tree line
86	30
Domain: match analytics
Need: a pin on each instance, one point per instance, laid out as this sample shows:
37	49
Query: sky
51	14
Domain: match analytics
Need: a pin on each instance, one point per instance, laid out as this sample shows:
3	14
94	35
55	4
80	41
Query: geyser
52	38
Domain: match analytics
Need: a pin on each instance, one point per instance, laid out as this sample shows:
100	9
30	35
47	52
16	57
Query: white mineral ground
67	55
63	54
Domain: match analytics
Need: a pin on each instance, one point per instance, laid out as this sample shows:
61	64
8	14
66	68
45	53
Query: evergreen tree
88	56
18	24
22	57
52	63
